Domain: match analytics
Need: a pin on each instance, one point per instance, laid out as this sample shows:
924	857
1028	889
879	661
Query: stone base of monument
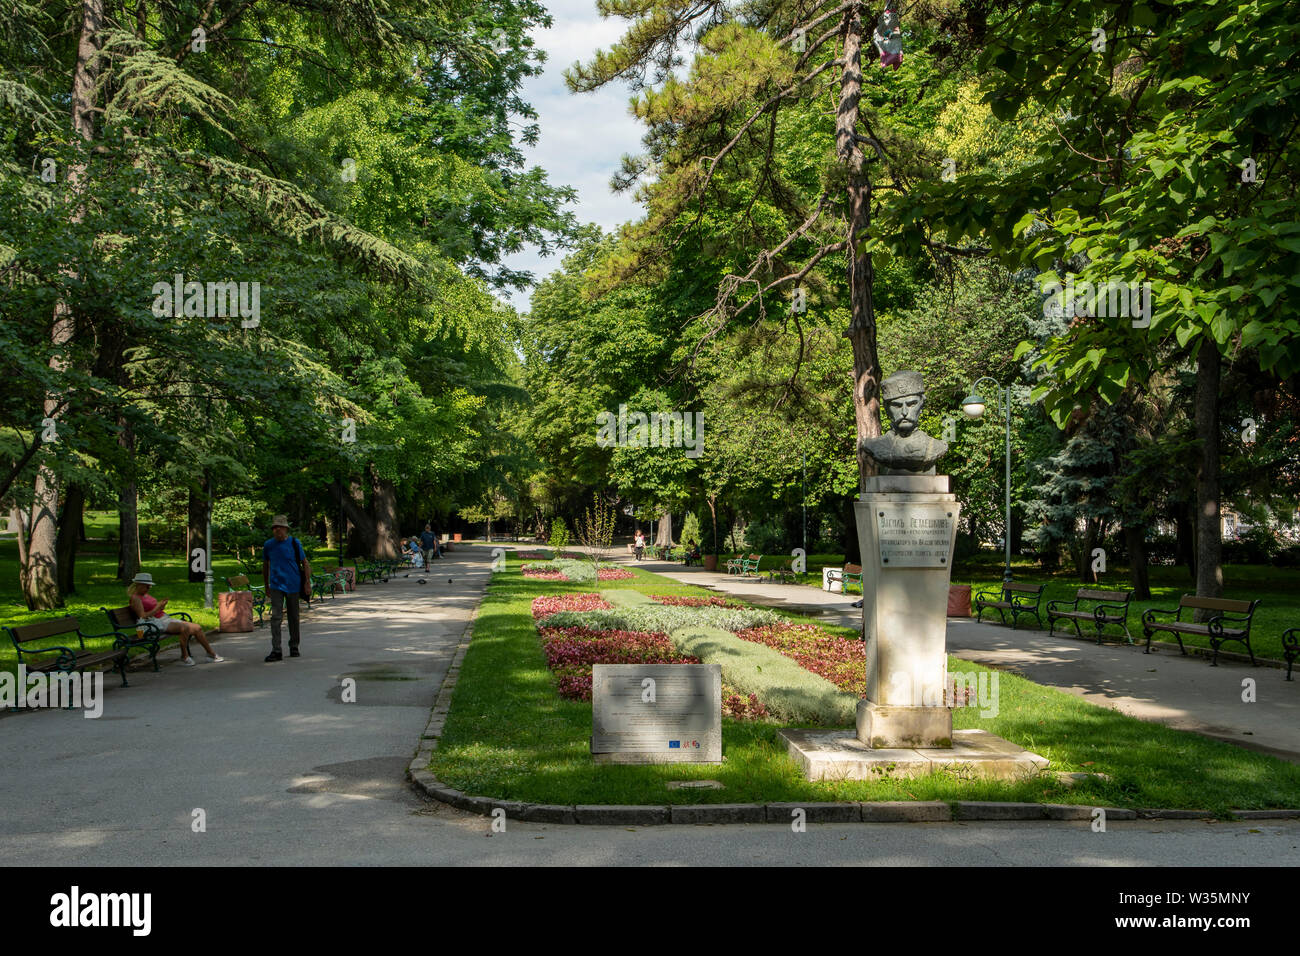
840	755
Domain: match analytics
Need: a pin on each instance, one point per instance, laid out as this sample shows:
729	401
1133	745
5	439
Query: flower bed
554	604
532	556
614	574
543	574
678	600
840	660
571	652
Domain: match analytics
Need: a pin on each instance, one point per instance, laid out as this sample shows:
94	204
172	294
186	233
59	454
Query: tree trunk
41	584
74	504
331	533
384	505
363	526
1135	542
1185	537
713	512
1209	538
862	323
664	535
196	531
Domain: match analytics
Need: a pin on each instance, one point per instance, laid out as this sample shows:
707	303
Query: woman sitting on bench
149	612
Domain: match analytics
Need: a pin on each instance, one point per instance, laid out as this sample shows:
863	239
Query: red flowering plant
543	575
613	574
554	604
680	600
532	556
571	651
840	660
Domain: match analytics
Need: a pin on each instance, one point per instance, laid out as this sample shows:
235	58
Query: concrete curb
893	811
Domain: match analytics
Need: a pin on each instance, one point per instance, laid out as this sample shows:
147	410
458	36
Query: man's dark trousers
277	614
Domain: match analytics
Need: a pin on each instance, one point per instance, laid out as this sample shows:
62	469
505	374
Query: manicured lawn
510	735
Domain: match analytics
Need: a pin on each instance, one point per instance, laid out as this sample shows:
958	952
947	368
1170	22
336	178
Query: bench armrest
1102	608
1291	639
994	592
1148	616
66	654
1024	602
1072	605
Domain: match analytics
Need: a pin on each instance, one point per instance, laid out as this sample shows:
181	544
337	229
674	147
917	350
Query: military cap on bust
900	384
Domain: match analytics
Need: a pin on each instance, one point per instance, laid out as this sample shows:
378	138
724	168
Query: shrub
691	528
559	535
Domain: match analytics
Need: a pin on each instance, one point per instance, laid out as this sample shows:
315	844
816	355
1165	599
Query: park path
288	774
1181	692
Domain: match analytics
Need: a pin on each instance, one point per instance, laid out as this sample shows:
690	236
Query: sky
583	135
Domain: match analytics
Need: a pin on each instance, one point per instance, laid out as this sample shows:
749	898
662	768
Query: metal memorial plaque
915	535
656	713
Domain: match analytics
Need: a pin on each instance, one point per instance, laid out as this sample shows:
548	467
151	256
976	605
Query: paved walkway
287	773
1182	692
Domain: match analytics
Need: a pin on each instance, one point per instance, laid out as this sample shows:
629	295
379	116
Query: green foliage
559	535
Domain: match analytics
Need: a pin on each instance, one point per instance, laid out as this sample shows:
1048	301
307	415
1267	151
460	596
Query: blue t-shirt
426	539
283	557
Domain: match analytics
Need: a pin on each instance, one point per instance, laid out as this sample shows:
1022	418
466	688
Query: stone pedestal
907	527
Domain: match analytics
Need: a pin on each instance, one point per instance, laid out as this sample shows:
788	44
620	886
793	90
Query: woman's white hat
143	577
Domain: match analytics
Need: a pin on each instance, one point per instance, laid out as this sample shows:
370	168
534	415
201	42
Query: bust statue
905	449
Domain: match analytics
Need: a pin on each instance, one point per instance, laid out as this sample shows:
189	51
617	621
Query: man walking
283	565
429	543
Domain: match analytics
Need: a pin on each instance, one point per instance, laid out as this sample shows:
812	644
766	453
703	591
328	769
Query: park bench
1290	647
846	576
1231	623
149	637
1090	604
68	659
240	582
749	565
368	570
1010	596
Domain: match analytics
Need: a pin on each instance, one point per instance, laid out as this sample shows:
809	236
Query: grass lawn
509	735
1278	587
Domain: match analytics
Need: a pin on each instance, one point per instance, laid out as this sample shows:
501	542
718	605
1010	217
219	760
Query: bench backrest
1018	586
852	569
34	632
1087	594
121	617
1216	604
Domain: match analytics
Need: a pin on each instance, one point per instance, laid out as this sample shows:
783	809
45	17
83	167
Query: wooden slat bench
1290	647
1010	596
749	565
847	575
1090	604
68	659
1231	623
124	624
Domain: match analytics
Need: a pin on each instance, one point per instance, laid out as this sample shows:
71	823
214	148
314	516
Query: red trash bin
235	611
959	600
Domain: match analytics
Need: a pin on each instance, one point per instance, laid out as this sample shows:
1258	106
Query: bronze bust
905	449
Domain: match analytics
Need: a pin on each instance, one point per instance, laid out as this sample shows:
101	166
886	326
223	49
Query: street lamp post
972	407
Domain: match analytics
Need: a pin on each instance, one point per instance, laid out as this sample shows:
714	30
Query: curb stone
896	811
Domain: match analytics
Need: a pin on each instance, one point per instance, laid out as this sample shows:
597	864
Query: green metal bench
1290	647
1231	623
1010	596
749	565
847	575
69	659
132	635
1090	604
